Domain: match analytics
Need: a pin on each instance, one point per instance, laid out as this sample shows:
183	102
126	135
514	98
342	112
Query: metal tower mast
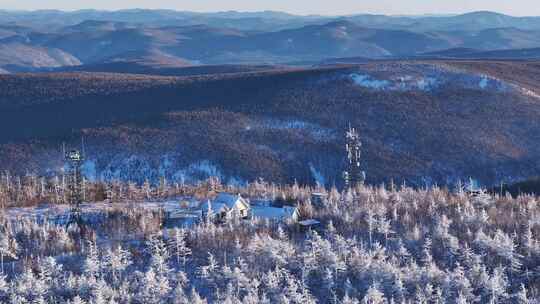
74	160
353	175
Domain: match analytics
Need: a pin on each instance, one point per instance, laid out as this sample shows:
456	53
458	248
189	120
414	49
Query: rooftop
309	222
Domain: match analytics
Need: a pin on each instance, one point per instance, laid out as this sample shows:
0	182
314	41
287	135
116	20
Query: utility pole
353	175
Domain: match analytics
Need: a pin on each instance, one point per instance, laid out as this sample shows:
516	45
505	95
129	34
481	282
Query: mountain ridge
94	42
420	122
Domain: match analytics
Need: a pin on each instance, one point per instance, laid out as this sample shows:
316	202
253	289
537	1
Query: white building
227	206
276	214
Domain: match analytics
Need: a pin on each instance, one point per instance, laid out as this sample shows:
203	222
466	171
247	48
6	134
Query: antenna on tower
353	175
74	159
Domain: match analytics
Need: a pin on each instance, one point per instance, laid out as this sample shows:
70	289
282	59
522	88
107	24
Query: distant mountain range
270	20
33	41
466	53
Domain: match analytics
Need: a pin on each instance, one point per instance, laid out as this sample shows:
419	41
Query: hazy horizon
300	7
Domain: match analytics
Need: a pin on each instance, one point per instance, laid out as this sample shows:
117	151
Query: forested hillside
420	122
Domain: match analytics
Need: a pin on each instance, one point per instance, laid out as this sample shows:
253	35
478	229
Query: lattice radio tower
353	175
74	160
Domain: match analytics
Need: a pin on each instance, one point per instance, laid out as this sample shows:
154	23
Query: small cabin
189	203
309	224
318	199
287	213
226	206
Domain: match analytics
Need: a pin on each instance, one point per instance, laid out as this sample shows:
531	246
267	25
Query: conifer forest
374	244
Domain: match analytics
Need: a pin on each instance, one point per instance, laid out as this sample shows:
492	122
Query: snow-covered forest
383	244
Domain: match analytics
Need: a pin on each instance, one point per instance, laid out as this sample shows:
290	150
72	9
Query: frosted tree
159	254
383	226
48	272
272	281
179	295
461	284
208	271
239	279
371	223
229	297
374	296
28	287
77	300
92	263
147	189
320	254
8	248
163	188
117	261
133	191
505	246
530	244
155	287
420	296
402	253
64	240
348	300
195	298
295	292
182	279
461	299
179	245
437	297
329	283
270	252
399	291
156	280
98	294
522	296
4	288
427	258
497	286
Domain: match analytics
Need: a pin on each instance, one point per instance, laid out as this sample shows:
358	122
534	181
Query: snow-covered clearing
425	79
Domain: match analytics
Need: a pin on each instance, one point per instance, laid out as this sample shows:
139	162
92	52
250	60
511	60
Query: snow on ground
197	171
139	168
89	170
273	213
424	78
316	131
369	82
53	212
317	175
396	83
530	93
176	212
128	167
483	82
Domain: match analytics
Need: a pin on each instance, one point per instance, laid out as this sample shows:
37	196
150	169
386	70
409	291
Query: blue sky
324	7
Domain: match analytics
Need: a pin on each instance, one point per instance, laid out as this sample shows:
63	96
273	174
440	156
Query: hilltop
420	122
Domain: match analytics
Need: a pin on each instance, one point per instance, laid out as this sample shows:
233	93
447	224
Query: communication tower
74	160
353	175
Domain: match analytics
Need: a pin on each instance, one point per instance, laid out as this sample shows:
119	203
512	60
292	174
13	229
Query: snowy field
57	213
